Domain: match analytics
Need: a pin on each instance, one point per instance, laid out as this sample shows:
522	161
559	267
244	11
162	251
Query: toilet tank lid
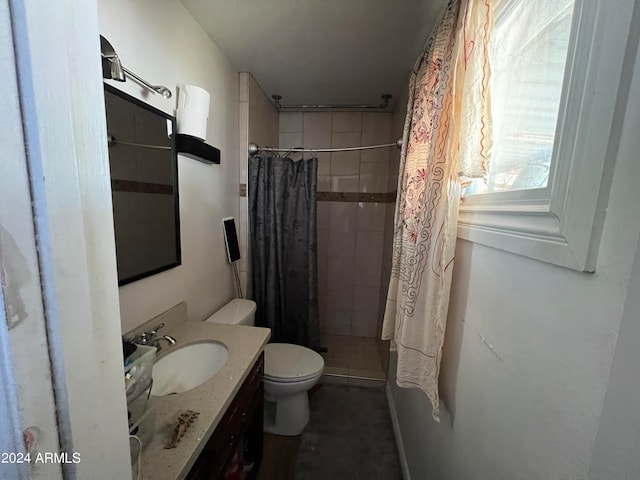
234	312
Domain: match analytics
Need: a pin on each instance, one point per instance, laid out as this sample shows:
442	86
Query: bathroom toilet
289	372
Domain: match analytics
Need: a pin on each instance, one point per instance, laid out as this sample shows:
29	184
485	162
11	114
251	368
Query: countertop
211	399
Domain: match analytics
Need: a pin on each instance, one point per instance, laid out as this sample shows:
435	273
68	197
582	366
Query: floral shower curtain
446	138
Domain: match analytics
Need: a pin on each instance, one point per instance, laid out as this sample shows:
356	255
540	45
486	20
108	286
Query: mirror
144	186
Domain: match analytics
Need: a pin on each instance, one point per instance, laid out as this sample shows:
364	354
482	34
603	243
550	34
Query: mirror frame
174	156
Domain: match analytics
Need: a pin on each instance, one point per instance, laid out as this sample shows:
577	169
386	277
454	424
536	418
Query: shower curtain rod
254	148
332	106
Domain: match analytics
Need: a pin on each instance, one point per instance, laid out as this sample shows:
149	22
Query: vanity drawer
243	399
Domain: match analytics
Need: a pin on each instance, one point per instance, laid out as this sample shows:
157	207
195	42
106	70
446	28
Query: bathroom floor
355	360
349	436
279	457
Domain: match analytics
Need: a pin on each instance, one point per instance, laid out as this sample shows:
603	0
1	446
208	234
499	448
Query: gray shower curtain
282	217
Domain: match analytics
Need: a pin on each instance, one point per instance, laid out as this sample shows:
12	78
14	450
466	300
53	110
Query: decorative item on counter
183	420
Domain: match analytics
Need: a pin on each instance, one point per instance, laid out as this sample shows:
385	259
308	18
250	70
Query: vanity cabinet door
242	420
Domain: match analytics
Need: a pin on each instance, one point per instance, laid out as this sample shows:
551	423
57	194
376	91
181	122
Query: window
542	196
528	54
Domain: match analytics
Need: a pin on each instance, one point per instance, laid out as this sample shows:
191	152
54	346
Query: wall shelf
197	149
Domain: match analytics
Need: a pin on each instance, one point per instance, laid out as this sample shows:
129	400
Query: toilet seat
288	363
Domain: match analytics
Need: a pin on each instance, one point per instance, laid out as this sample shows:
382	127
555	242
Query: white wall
65	336
617	444
161	42
528	354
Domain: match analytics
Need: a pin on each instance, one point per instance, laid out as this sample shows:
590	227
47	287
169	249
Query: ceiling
321	51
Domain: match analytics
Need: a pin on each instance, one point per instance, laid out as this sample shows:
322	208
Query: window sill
527	228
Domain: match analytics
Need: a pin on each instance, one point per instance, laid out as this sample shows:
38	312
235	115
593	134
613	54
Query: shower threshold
354	380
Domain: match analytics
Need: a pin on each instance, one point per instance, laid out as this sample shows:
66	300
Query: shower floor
352	360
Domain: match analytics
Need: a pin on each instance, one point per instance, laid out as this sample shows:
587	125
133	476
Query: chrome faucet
152	339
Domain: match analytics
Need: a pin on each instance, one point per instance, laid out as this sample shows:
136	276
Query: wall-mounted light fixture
113	69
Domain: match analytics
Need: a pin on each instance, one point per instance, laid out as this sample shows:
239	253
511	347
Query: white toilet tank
238	311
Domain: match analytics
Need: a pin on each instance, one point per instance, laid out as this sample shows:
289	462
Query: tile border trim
356	197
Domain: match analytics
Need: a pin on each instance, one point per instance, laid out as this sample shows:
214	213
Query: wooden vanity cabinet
242	422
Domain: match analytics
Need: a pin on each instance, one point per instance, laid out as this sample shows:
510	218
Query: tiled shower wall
352	204
258	122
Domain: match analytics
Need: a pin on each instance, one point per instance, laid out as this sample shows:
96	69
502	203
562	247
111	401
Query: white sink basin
188	367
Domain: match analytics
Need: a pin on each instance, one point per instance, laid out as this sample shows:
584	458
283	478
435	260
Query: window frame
561	224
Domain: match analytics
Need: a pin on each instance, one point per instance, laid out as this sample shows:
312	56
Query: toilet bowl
289	372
